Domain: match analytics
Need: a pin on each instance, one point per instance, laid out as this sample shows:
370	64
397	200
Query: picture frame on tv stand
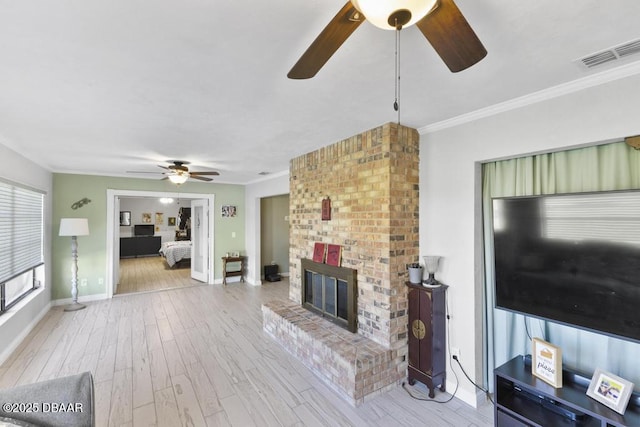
546	362
610	390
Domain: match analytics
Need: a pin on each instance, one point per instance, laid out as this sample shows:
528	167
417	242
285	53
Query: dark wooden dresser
427	338
133	247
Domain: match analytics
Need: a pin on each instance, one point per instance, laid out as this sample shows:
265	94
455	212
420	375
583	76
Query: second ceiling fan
179	172
440	21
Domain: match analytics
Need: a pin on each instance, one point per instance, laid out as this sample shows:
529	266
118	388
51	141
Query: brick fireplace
372	181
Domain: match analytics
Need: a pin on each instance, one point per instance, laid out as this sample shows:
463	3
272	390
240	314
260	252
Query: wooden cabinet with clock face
427	339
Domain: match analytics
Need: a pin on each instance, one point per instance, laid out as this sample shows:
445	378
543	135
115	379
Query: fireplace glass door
330	293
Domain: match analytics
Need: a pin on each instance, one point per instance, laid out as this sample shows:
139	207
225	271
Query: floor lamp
74	227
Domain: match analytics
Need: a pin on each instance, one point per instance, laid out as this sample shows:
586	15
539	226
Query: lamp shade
74	227
378	12
431	263
179	178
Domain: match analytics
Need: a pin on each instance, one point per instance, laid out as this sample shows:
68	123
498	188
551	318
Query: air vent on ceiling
628	48
612	54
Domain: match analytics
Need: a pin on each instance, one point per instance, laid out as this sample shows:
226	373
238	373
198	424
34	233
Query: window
21	245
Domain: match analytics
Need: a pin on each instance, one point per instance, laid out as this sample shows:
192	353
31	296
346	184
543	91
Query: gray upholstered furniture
66	401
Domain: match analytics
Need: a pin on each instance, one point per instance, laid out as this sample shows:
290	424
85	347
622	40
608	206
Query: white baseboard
473	399
235	279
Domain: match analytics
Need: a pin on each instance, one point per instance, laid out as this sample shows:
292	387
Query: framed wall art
610	390
228	211
125	217
326	209
546	362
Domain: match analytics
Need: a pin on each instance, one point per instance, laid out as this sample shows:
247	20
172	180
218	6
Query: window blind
21	230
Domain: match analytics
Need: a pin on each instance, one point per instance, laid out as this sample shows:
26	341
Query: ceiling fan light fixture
380	13
179	177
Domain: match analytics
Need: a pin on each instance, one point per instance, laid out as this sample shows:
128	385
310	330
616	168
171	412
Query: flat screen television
571	258
143	230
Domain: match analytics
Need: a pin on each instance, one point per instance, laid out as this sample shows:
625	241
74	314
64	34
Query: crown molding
603	77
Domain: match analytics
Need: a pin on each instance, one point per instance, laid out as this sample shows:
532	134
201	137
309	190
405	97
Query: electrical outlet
83	282
455	351
100	281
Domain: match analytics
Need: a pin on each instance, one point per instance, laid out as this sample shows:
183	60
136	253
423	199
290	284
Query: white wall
277	185
139	205
20	319
449	179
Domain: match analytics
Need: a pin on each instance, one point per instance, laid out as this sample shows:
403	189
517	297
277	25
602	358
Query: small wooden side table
232	273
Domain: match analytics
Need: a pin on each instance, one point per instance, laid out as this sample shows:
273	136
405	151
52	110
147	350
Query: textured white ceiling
104	87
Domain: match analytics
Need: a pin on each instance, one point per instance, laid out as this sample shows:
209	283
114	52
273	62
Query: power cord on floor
486	392
428	399
455	357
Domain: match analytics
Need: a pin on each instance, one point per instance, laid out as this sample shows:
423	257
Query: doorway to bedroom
158	241
155	244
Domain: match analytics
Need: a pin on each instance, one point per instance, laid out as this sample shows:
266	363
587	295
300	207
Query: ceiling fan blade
452	37
201	178
327	43
163	167
205	173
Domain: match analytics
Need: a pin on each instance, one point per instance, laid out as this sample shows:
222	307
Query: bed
176	252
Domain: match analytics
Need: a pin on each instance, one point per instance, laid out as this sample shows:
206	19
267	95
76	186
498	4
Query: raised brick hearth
352	365
372	181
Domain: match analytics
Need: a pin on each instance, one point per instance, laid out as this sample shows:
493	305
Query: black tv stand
524	400
549	404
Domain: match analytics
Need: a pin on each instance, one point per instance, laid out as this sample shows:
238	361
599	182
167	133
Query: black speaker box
271	273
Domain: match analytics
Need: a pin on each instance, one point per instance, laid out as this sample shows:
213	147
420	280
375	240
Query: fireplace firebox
330	292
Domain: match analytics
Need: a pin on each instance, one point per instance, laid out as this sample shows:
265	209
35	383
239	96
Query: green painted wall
92	249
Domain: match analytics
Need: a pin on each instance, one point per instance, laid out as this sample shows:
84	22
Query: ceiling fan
440	21
178	173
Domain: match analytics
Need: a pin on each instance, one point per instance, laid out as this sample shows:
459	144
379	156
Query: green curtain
614	166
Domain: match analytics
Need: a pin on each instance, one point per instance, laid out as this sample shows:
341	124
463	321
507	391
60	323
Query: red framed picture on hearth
334	255
319	251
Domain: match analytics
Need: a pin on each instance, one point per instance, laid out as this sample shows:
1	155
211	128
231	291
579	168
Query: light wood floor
152	273
198	356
